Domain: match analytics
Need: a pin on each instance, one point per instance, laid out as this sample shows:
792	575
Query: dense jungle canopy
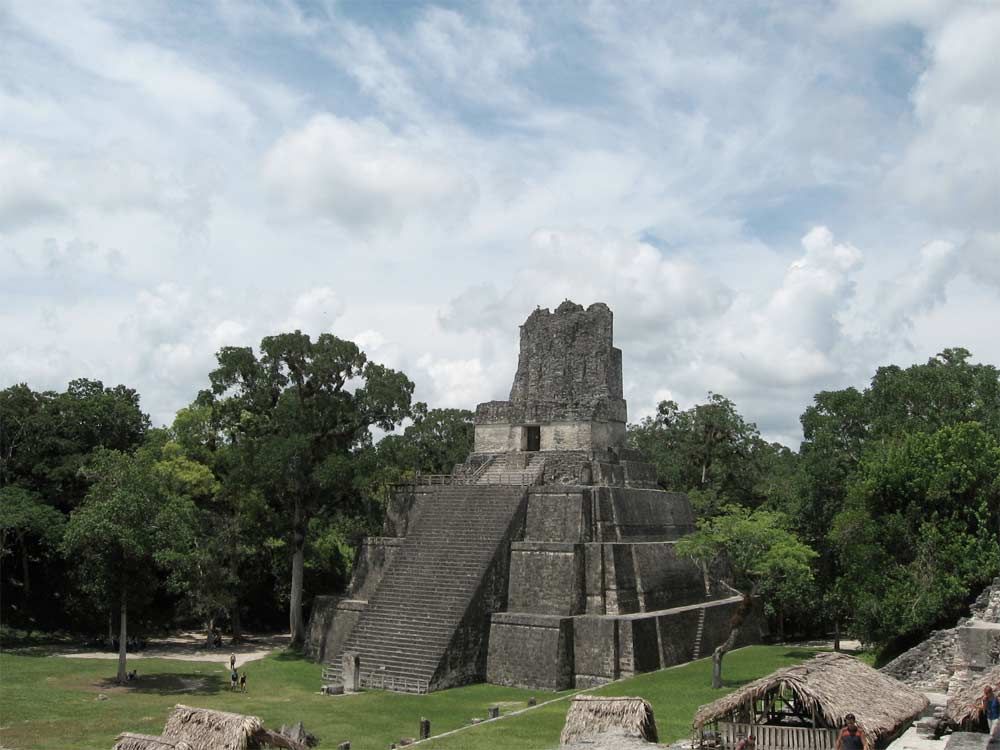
253	500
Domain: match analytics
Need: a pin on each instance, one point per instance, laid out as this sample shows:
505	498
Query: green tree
125	526
198	560
232	521
28	522
713	454
298	413
843	429
760	553
919	531
46	438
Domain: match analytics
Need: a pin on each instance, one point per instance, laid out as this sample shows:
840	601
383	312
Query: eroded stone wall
970	647
567	357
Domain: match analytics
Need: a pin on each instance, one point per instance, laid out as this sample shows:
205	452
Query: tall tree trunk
24	567
122	641
210	630
237	625
726	646
295	626
111	626
836	634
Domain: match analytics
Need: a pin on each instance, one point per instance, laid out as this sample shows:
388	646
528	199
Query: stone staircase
699	635
503	470
403	636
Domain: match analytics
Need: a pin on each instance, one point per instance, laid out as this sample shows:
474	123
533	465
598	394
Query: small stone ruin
546	559
959	660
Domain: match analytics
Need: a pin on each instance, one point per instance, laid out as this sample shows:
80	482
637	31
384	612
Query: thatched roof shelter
134	741
591	715
965	691
825	689
205	729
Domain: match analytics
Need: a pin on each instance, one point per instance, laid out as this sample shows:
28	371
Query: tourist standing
989	704
232	661
850	736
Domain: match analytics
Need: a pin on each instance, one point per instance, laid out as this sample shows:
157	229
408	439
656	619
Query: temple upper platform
567	392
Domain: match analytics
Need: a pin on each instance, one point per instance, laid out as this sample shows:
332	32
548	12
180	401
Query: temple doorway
533	438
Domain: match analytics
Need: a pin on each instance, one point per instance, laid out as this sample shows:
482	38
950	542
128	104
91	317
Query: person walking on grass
989	704
243	682
850	736
232	661
233	677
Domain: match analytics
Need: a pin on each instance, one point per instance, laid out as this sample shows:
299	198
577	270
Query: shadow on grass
165	683
801	654
290	654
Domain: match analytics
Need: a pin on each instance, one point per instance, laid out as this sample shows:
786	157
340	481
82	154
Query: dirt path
191	647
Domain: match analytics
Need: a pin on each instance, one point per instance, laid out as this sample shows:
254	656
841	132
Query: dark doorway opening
533	441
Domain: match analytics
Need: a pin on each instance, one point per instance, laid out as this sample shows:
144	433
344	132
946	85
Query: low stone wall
555	652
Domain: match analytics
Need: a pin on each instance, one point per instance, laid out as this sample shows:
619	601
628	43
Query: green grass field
51	703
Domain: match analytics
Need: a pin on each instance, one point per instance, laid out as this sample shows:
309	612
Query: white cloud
951	168
454	383
313	311
170	184
361	175
25	196
652	291
178	89
476	60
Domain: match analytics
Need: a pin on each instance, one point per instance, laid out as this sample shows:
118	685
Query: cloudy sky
774	197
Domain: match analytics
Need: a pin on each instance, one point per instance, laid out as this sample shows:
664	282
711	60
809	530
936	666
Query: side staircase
404	634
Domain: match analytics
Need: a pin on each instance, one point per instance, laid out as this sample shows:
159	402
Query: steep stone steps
404	633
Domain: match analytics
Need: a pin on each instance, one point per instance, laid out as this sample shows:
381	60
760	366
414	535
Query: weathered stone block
531	651
557	516
546	578
595	649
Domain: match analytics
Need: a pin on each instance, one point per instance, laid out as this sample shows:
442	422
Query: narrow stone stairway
404	633
699	635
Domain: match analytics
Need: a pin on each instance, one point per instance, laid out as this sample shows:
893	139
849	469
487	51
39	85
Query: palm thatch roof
134	741
829	686
592	715
964	691
206	729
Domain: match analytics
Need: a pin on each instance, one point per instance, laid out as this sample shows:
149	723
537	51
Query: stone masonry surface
948	658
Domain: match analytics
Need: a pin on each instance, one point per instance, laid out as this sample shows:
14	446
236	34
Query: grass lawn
674	693
51	703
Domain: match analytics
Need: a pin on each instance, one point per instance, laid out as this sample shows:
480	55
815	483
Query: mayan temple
546	560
